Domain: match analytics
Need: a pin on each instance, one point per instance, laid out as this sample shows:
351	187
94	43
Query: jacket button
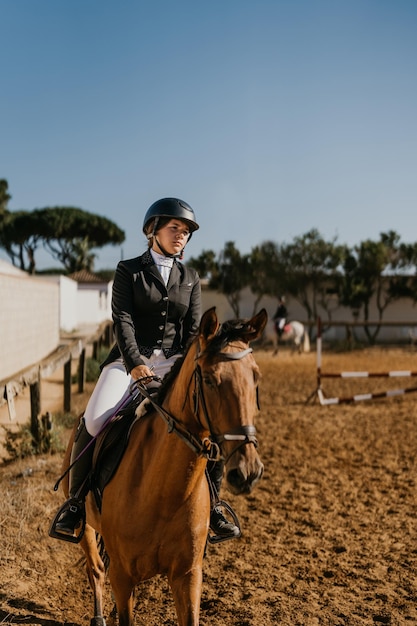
159	341
161	327
163	312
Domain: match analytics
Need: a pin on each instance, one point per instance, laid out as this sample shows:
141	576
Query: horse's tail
306	344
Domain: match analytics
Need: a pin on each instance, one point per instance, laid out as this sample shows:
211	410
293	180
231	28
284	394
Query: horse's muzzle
240	481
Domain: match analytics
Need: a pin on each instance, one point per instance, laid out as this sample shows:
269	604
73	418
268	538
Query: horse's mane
227	332
169	378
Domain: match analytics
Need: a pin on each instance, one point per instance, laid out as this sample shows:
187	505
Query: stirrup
79	532
213	539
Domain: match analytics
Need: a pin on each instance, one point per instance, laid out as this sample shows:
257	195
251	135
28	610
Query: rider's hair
162	221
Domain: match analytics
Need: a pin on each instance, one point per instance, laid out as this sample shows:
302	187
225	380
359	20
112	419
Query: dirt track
329	535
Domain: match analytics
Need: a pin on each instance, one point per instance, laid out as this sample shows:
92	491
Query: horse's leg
275	344
301	344
186	591
122	587
125	610
96	573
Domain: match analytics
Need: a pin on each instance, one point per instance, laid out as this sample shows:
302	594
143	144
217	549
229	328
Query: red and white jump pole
358	374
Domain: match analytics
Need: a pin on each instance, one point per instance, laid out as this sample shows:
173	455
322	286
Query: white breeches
113	388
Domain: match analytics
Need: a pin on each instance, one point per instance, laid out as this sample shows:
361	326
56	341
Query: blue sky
270	117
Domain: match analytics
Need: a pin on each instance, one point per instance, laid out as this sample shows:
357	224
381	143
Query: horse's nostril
234	477
238	482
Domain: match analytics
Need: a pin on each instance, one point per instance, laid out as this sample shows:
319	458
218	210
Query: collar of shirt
161	260
164	265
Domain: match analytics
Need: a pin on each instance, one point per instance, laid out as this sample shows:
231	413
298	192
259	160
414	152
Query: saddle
285	329
109	449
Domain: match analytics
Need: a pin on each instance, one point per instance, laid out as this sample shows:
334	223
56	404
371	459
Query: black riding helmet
171	208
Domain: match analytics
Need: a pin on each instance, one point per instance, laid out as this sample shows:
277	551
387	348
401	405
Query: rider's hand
141	371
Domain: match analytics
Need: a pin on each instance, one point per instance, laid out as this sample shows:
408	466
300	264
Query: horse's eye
208	381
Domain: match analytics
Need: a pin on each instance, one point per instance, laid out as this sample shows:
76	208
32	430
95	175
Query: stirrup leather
74	505
211	538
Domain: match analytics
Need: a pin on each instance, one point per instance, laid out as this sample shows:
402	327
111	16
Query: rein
209	447
201	448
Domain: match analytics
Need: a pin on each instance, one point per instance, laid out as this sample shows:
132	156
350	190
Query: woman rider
156	308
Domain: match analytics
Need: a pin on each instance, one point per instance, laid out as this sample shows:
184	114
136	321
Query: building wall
68	316
68	298
94	303
29	320
400	311
82	304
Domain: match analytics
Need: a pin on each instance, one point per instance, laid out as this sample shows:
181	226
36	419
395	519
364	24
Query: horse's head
226	394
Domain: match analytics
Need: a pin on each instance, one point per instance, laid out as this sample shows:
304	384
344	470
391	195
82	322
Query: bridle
244	434
210	447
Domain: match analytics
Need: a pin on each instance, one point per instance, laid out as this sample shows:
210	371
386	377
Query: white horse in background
293	331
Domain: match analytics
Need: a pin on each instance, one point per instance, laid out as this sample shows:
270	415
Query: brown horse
155	510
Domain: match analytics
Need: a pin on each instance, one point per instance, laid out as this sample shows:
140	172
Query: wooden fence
62	357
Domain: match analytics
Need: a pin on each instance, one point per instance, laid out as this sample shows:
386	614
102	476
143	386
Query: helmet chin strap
165	253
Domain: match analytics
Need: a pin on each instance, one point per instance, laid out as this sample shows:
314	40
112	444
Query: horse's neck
157	466
180	410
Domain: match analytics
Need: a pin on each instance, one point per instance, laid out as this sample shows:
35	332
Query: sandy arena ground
329	535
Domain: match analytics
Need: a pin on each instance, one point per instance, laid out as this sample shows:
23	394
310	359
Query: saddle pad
109	449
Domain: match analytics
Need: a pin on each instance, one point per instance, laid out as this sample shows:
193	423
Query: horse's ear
254	327
209	324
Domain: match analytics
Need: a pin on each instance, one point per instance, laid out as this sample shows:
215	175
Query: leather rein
210	447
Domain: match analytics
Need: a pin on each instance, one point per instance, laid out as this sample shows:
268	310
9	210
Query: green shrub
52	436
92	366
92	370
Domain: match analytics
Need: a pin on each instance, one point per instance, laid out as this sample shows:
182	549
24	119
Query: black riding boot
73	516
218	522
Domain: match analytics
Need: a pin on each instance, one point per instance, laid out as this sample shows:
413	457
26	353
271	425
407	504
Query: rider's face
172	237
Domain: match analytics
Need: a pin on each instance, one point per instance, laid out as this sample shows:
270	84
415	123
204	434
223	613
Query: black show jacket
147	314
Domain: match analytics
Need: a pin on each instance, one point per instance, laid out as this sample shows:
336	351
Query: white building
93	298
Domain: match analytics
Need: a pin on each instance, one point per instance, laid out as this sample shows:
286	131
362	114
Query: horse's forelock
232	330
